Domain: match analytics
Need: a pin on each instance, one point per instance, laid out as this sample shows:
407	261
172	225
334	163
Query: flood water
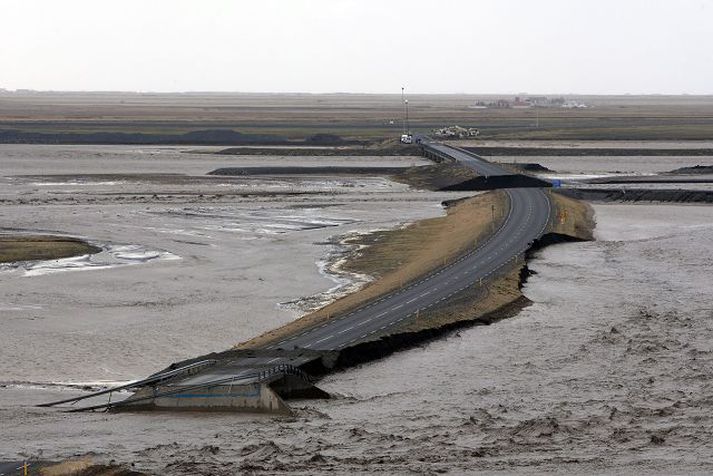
608	371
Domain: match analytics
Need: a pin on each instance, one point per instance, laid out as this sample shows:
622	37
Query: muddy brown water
608	371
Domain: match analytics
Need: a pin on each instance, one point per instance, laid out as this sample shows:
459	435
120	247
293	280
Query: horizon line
335	93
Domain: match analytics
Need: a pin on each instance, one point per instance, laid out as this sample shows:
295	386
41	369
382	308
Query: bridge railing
285	369
253	377
431	152
161	377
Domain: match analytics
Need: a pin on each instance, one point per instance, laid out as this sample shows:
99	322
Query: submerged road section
242	382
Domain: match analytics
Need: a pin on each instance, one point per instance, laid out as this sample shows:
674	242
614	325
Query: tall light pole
403	111
408	126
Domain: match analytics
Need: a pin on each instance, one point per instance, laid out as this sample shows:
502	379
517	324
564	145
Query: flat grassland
39	247
354	116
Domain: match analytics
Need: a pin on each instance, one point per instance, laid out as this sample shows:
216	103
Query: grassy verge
571	217
32	248
494	300
475	303
399	256
396	257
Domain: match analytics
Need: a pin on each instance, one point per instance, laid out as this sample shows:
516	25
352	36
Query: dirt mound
199	137
530	167
639	195
498	182
586	151
296	170
695	170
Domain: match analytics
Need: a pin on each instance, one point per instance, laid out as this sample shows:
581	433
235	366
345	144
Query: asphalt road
13	468
526	221
480	166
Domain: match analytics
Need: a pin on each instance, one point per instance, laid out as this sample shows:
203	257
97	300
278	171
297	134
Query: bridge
261	379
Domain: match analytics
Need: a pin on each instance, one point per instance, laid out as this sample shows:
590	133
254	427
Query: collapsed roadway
260	379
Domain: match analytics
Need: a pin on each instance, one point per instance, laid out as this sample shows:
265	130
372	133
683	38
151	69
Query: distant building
519	103
456	132
522	102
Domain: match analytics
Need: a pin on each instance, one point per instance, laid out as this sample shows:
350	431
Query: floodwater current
609	370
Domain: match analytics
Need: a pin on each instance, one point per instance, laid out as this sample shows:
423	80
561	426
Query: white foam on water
331	267
257	222
19	307
112	256
95	383
77	183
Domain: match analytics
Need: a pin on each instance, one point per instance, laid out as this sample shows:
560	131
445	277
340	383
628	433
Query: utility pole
403	110
408	126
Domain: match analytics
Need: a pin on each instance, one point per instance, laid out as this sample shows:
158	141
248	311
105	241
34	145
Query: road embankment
479	304
456	177
397	257
640	195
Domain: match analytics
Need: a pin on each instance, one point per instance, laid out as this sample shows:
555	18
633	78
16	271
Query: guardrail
430	153
161	377
254	377
286	369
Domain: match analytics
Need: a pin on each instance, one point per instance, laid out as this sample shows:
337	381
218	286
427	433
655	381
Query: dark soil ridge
398	151
695	170
198	137
528	167
660	179
300	170
634	195
586	151
497	182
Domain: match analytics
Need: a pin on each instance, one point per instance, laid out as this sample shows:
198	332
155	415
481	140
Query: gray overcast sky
478	46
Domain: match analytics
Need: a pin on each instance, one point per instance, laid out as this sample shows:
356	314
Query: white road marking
324	338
